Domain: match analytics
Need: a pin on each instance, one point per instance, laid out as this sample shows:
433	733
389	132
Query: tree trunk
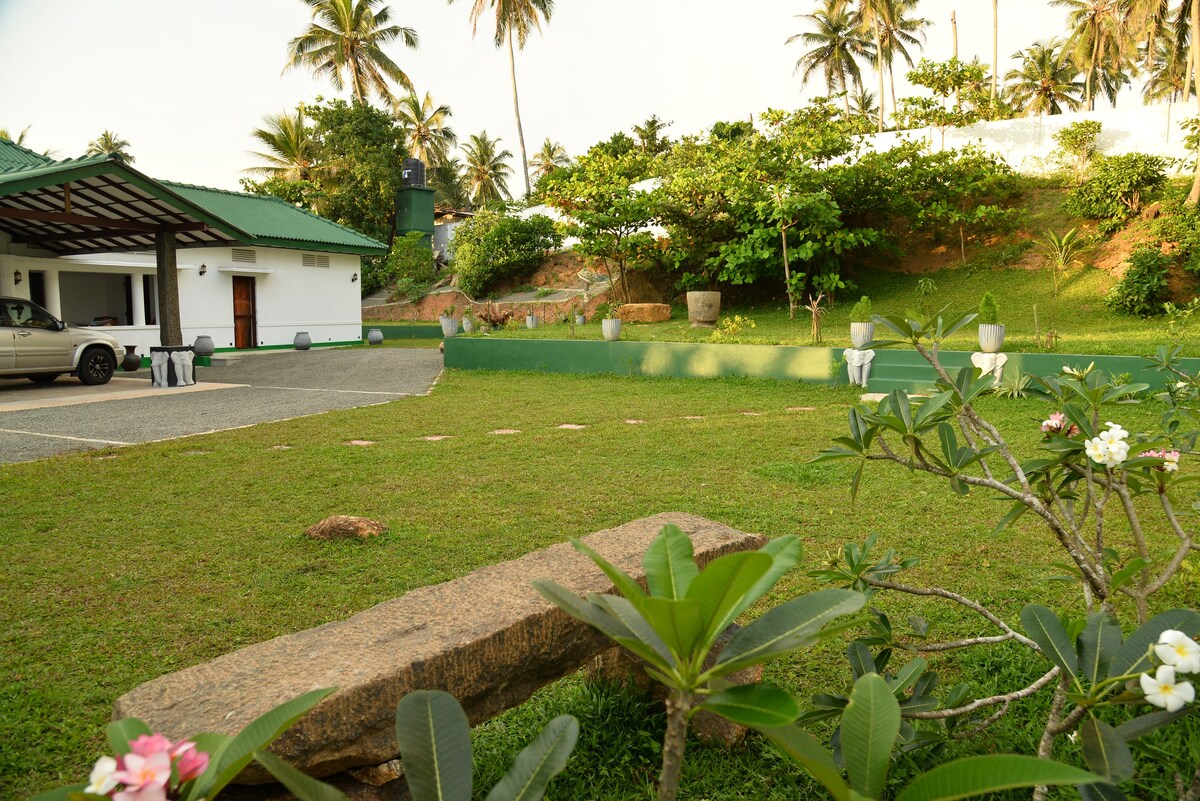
169	331
892	81
787	274
674	742
512	71
879	55
845	93
954	33
995	46
1194	61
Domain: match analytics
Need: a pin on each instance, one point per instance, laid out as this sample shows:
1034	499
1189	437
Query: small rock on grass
345	527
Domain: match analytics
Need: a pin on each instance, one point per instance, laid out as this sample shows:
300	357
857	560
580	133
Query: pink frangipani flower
150	792
191	763
139	771
148	744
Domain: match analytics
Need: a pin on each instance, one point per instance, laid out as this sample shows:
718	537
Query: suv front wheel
97	366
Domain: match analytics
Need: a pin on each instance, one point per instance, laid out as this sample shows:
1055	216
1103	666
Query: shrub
1115	186
1180	223
1077	144
861	313
490	248
1143	290
989	310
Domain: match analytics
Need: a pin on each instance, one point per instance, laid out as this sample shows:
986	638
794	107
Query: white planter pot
468	325
580	319
991	337
703	309
449	326
861	333
611	329
531	321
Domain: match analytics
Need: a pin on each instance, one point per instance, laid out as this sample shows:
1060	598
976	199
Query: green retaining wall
404	331
892	369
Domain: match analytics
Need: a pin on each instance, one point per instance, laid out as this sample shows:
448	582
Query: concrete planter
580	319
302	341
449	326
861	333
374	337
703	309
468	325
531	321
611	329
991	337
203	346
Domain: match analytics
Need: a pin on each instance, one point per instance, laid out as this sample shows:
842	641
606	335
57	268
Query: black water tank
414	172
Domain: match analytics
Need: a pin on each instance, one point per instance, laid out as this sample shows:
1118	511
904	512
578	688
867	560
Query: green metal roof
272	221
13	155
111	190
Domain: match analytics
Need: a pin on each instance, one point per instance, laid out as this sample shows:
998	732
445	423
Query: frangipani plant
675	625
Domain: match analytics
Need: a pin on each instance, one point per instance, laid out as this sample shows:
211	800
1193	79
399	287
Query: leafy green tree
345	42
449	186
650	135
944	79
1077	142
836	43
1115	187
964	191
288	147
109	144
609	215
426	132
490	249
514	19
486	171
1045	82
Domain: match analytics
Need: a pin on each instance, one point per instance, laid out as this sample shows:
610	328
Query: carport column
137	293
169	331
53	293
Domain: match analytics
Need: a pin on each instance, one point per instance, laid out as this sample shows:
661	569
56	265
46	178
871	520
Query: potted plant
577	310
448	321
610	325
991	332
862	330
531	319
468	320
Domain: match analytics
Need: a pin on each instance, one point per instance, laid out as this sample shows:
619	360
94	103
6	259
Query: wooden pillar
169	331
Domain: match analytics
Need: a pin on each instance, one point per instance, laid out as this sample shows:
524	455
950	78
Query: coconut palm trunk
1194	60
512	72
879	57
995	46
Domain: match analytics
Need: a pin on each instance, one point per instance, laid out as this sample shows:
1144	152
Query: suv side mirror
59	325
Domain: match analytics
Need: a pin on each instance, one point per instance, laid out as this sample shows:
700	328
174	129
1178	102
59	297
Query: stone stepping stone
195	453
802	408
751	414
281	447
435	437
693	417
572	426
635	422
362	442
506	431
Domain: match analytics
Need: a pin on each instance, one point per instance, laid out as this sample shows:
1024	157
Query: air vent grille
314	259
244	256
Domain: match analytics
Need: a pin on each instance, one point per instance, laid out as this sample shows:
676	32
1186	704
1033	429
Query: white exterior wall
289	297
1027	143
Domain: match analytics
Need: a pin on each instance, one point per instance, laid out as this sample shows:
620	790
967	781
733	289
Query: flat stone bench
644	312
488	638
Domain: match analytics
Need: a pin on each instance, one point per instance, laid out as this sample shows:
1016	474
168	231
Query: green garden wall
404	331
892	369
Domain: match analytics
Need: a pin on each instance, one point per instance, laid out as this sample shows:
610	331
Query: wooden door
244	333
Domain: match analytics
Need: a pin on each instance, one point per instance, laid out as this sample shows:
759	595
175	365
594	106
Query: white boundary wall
1027	143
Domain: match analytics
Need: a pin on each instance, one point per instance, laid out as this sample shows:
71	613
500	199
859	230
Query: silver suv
36	345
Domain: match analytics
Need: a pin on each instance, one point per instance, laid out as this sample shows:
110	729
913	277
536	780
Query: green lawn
1079	314
101	595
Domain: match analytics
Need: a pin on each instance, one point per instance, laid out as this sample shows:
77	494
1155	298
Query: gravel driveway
256	388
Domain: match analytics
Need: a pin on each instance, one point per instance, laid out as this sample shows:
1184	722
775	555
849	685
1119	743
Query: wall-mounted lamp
16	277
203	269
353	278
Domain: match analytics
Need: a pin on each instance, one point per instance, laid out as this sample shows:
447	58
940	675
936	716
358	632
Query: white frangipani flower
1178	650
1162	690
1109	447
102	780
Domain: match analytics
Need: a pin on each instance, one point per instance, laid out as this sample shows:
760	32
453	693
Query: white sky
186	81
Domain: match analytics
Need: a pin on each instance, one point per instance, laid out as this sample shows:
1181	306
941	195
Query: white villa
92	239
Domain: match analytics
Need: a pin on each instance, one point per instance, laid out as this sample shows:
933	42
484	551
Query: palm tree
514	18
552	156
486	172
1149	21
1046	81
900	32
995	47
19	139
1168	77
428	136
288	147
836	45
649	135
1098	41
873	16
449	187
110	144
864	107
347	37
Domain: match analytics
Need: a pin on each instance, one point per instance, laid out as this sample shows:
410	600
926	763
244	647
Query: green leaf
974	776
59	794
1133	654
640	630
1101	791
725	588
620	579
785	553
1144	724
435	744
680	625
538	762
1105	752
757	705
581	609
260	733
803	748
122	732
908	675
304	787
1015	512
1097	646
1044	628
929	408
870	724
862	661
785	628
1122	576
669	563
